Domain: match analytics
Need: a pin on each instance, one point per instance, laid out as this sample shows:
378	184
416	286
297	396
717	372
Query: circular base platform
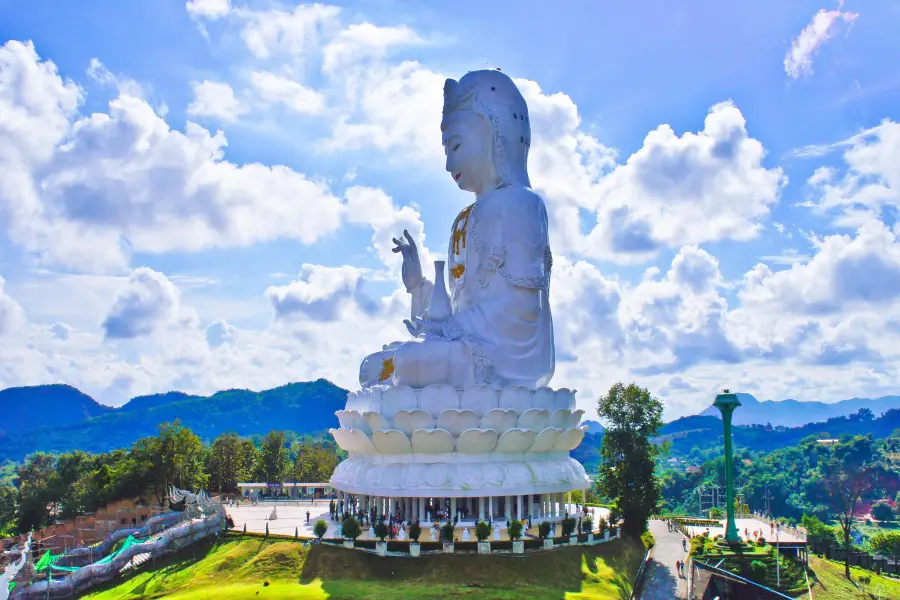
490	476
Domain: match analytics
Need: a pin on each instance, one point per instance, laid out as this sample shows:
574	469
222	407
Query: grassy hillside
829	583
240	567
300	407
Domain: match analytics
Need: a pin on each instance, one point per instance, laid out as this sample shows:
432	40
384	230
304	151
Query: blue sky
750	151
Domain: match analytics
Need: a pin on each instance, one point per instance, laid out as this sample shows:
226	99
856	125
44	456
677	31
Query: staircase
135	562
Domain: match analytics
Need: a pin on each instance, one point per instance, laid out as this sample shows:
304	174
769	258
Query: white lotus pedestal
479	452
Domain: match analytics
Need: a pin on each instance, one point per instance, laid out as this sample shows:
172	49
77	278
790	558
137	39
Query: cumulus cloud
824	25
61	331
209	9
149	302
276	89
216	100
320	293
220	333
11	313
88	192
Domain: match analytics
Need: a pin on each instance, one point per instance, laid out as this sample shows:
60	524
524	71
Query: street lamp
726	402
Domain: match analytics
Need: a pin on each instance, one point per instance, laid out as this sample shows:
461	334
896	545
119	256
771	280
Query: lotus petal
569	439
565	398
435	399
516	397
398	398
515	440
534	418
408	421
354	402
479	399
376	421
350	419
457	421
575	419
543	442
544	397
560	418
477	441
391	441
362	442
499	420
432	441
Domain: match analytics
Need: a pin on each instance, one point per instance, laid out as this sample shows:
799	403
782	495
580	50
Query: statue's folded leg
423	362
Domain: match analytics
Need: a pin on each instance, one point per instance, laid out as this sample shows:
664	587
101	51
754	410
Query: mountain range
56	418
794	413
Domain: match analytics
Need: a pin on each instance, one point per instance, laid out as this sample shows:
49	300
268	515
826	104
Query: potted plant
320	529
350	530
381	532
603	526
543	533
587	525
515	534
447	536
414	532
483	532
568	530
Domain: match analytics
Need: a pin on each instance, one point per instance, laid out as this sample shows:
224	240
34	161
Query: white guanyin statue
494	326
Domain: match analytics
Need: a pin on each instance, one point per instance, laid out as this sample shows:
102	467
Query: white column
507	508
519	507
452	509
422	509
491	508
569	501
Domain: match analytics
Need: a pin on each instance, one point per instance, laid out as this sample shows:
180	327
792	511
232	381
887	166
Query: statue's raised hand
412	267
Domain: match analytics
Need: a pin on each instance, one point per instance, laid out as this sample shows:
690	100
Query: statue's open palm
412	266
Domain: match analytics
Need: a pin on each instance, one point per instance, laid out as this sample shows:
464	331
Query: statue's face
466	144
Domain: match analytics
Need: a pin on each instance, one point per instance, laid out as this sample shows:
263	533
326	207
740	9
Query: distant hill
794	413
46	406
83	424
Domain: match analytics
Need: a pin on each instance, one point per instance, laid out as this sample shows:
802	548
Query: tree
847	474
313	463
36	505
273	458
886	543
627	456
320	528
482	530
882	511
350	528
228	462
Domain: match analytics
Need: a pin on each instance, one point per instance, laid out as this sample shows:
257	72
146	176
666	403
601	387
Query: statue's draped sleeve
508	328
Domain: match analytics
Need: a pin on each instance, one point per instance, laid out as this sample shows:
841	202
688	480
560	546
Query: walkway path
662	581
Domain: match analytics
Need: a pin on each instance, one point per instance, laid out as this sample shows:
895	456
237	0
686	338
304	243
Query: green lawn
239	568
829	583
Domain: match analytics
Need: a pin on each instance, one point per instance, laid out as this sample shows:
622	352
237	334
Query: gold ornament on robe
458	270
459	233
387	369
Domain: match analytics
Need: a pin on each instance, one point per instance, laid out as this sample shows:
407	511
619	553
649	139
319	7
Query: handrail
640	574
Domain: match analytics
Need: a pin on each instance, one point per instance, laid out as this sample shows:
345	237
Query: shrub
882	510
447	531
482	530
515	530
381	530
716	513
648	540
758	568
320	528
601	525
415	531
568	526
543	529
761	541
350	529
587	525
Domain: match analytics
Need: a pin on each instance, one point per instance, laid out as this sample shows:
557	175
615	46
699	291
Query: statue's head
486	132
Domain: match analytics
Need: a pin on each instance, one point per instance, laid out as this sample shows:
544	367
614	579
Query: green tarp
48	560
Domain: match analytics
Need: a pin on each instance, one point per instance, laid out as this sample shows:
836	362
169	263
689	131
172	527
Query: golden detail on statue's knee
387	369
457	271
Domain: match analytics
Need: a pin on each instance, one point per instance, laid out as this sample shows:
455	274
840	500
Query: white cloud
86	193
365	41
11	314
824	24
320	294
149	302
275	89
209	9
216	100
61	331
220	333
279	32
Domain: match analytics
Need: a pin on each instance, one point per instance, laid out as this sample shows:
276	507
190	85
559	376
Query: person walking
307	517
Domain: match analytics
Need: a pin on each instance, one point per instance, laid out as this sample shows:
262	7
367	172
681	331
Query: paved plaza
662	581
750	525
292	515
